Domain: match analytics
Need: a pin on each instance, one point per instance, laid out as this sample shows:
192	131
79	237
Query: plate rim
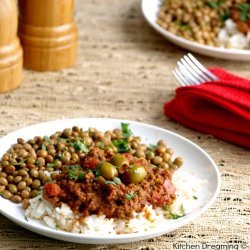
177	39
121	238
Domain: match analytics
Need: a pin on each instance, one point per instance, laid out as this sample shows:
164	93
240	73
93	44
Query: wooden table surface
124	71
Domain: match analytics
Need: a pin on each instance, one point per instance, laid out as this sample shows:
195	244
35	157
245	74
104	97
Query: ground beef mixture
88	190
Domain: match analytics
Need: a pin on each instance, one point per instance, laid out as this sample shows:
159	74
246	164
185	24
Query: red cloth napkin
221	109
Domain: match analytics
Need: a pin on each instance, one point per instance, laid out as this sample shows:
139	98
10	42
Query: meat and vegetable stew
94	172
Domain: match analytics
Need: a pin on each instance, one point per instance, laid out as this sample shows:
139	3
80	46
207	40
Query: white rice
230	37
187	187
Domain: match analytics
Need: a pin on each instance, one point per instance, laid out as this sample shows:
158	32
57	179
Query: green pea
16	198
178	161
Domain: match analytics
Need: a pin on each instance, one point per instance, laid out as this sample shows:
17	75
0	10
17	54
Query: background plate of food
103	181
214	28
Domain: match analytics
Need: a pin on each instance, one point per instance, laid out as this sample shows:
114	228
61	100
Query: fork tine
196	69
199	78
185	72
177	78
184	81
198	64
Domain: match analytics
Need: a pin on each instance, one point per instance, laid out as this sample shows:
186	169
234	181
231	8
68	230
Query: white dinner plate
196	161
150	10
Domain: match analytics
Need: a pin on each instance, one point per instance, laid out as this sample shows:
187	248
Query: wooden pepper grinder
48	34
11	54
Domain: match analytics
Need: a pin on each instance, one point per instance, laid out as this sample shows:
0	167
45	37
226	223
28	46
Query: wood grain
48	34
11	59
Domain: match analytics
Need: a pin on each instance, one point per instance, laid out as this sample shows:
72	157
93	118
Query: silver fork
190	71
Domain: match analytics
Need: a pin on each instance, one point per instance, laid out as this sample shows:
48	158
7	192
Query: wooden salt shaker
48	34
11	54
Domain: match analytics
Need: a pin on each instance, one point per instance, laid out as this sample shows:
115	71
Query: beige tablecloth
124	71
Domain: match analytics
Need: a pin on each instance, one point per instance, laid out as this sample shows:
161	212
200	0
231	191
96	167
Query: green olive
108	171
135	174
119	160
12	188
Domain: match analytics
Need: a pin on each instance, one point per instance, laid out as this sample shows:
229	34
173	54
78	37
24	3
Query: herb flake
126	131
121	145
115	181
80	146
171	215
130	196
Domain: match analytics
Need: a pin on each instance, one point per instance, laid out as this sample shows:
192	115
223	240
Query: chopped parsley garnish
126	131
75	175
51	165
121	145
101	144
97	172
80	146
244	9
43	147
115	181
152	146
46	138
182	210
73	167
195	197
185	27
75	172
130	195
214	4
19	163
37	163
171	215
226	15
